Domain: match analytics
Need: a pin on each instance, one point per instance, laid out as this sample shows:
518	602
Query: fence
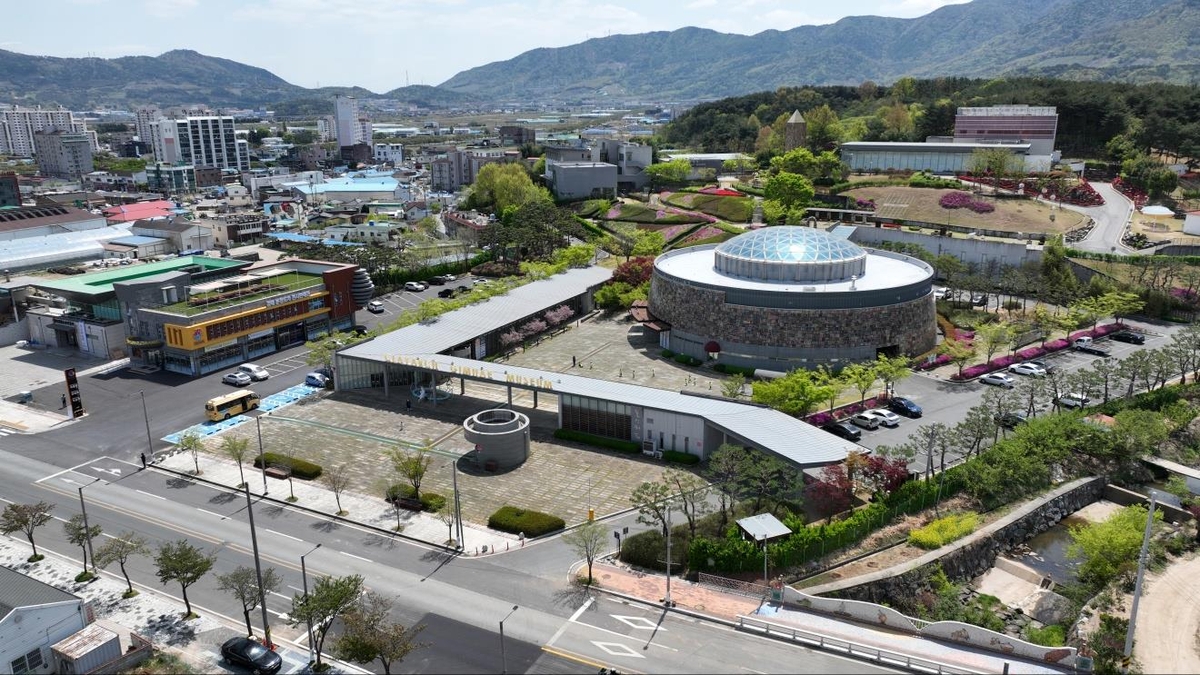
849	648
746	588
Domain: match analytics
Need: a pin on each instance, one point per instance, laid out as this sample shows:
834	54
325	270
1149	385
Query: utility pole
1137	587
457	506
262	595
667	598
146	416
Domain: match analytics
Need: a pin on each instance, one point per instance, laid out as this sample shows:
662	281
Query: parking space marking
617	649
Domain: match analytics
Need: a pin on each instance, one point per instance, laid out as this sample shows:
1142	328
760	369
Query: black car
843	429
240	651
436	281
1011	420
1129	337
904	406
446	293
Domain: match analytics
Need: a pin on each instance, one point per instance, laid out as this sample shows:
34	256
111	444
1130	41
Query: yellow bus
235	403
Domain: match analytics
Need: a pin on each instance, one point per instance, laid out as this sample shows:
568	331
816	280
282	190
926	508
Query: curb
292	505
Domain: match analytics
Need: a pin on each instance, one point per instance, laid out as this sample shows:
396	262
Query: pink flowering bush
963	200
1002	362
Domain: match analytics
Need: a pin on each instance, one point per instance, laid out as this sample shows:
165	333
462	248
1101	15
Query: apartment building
200	141
459	167
63	154
144	117
18	126
351	126
392	153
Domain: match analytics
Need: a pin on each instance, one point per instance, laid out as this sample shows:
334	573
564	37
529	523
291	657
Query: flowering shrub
673	231
963	200
1002	362
558	315
613	213
510	338
704	233
1136	195
820	419
981	207
940	360
1185	295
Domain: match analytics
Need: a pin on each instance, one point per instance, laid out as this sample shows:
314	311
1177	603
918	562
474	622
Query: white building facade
392	153
18	126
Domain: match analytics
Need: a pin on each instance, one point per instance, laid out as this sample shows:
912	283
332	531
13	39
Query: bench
408	503
280	472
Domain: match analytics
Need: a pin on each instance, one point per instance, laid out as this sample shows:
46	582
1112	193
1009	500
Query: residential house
33	617
182	233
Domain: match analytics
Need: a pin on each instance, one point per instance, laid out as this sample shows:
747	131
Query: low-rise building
390	153
171	178
939	158
114	180
582	180
233	230
182	233
34	616
459	167
368	232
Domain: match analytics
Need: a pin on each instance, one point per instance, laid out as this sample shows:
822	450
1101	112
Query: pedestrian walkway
152	613
268	404
370	511
726	606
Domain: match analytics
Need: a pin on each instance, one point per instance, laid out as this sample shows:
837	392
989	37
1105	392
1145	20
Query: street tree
330	599
587	541
242	584
1135	368
80	534
337	478
650	500
932	440
993	336
1107	374
412	465
236	448
26	518
1030	391
191	444
862	377
692	493
370	634
732	387
184	564
446	515
832	492
957	351
1120	303
1182	358
1057	382
724	473
119	550
892	370
972	430
831	384
798	393
1162	364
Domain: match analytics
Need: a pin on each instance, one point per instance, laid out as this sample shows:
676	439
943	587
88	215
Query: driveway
1168	621
1110	218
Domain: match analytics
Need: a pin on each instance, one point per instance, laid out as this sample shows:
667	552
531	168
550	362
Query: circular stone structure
786	297
501	438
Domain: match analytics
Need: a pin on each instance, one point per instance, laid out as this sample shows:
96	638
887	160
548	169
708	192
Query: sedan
247	653
886	418
843	429
999	379
1128	337
1073	400
256	372
905	406
375	307
865	420
315	379
1027	368
1011	420
236	378
415	286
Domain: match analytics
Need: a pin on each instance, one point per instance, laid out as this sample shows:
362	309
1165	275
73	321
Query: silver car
999	379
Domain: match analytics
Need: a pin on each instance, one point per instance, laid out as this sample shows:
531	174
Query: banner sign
73	393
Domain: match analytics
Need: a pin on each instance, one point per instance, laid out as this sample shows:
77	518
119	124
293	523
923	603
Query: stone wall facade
776	338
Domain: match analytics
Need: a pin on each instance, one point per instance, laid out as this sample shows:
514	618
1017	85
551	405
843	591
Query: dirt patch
1011	215
1169	620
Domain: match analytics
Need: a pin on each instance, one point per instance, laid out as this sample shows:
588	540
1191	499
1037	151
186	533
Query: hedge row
680	457
300	468
430	501
522	521
599	441
733	370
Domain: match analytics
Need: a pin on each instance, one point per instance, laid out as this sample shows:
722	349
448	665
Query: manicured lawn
1011	215
284	283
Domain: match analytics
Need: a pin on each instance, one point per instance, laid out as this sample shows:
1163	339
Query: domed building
786	297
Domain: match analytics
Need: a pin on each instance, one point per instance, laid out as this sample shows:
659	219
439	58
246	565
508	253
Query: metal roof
82	643
96	283
765	428
462	325
18	590
764	526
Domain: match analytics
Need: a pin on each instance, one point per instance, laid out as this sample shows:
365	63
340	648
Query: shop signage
284	299
73	393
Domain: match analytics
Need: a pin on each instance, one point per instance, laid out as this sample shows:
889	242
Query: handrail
912	663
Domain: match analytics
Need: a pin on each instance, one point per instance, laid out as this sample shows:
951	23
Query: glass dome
790	253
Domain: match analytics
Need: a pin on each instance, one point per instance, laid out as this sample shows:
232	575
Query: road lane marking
284	535
582	608
571	656
620	635
359	557
150	494
617	649
568	622
217	515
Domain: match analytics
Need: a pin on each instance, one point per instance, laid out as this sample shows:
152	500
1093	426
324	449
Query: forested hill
1090	114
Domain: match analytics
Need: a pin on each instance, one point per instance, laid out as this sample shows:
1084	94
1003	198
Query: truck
1088	346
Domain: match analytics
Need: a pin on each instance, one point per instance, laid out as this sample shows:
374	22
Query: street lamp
262	594
262	460
304	577
503	660
87	530
146	416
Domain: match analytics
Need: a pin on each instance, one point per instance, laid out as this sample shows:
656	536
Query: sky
384	44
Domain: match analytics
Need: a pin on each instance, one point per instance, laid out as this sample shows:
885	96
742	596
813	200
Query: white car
886	417
415	286
865	420
375	307
1073	400
236	378
1031	369
256	372
999	379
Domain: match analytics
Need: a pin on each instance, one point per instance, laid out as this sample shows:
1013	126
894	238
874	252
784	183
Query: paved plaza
362	428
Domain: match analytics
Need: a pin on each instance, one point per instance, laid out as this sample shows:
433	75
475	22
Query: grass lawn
1011	215
732	209
292	281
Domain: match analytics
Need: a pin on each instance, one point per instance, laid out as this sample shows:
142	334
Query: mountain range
1121	40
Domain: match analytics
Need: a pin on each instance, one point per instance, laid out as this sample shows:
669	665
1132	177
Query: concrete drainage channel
270	403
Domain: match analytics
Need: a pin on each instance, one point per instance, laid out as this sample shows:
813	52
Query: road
1110	218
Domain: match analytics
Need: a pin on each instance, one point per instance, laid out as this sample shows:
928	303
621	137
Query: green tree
242	584
997	162
26	518
789	189
1139	432
892	370
832	383
823	127
191	444
767	479
862	377
1110	548
119	550
79	534
692	495
184	564
993	336
501	185
330	599
337	478
587	541
799	161
370	634
674	172
650	500
796	393
732	387
236	448
724	473
648	242
413	464
958	352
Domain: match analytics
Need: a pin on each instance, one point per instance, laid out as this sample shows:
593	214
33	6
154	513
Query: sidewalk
362	509
724	606
152	613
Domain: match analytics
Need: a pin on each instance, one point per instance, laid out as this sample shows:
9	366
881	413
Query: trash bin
24	397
